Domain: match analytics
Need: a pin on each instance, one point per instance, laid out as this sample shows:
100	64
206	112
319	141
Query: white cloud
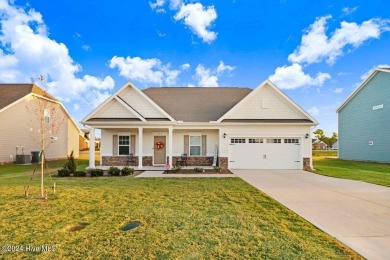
314	111
145	70
292	77
206	77
158	6
185	66
222	67
27	51
198	19
338	90
209	77
349	10
86	47
316	46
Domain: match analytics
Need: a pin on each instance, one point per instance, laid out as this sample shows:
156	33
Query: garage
264	153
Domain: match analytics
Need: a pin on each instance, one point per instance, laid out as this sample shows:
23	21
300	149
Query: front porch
152	148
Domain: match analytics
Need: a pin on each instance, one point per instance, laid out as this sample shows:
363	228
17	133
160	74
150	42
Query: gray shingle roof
10	93
196	104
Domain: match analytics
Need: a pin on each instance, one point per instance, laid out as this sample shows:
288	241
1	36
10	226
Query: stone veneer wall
196	161
223	162
306	163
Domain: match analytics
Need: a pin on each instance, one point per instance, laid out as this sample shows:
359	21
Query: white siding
256	107
115	110
140	104
15	131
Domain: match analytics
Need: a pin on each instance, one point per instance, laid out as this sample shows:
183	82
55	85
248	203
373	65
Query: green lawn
180	218
377	173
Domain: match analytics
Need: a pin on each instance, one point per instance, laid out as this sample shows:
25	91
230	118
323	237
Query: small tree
71	164
46	120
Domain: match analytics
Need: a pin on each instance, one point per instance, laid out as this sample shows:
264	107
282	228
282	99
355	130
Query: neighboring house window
195	145
124	145
237	141
46	115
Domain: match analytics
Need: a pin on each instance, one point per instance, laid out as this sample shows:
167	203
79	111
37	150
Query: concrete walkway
356	213
159	174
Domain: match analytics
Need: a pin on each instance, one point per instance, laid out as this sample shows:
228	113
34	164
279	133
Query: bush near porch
180	218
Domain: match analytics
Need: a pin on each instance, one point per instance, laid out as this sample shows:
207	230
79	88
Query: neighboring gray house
364	120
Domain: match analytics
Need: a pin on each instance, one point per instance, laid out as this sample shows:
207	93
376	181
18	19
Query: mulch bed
211	171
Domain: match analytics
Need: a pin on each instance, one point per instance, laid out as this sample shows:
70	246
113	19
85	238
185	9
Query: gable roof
10	93
196	104
304	116
146	101
364	83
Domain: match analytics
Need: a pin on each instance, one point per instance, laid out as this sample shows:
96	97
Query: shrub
71	164
217	169
79	174
96	172
176	168
114	171
63	172
198	169
127	171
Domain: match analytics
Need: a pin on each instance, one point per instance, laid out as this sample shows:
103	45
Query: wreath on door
159	145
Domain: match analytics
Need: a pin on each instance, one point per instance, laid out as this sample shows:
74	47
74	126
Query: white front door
264	153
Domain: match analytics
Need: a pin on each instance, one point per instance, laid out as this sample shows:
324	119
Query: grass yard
325	153
377	173
180	218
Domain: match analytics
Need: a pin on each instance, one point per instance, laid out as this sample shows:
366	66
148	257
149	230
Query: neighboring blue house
364	120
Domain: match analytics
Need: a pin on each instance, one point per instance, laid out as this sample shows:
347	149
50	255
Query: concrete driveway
356	213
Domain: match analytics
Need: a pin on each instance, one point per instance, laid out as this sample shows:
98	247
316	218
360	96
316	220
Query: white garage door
264	153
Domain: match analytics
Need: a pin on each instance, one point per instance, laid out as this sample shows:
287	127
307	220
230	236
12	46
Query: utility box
23	158
35	157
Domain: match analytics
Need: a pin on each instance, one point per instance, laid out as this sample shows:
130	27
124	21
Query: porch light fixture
224	135
307	136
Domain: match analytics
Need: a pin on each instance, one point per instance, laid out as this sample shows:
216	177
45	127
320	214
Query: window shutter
115	147
132	143
186	144
204	145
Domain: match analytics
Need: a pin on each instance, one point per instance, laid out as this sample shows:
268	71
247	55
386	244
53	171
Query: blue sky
317	52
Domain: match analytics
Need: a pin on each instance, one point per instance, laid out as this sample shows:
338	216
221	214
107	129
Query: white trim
102	105
362	85
124	134
189	144
239	104
130	109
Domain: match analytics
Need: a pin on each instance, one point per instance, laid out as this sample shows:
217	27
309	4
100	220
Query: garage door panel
277	153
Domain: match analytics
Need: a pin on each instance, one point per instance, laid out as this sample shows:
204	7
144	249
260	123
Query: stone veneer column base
223	162
306	164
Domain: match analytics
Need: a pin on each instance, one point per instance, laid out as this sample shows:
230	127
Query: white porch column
92	148
140	141
170	138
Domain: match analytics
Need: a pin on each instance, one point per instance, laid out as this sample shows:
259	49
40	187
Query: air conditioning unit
23	158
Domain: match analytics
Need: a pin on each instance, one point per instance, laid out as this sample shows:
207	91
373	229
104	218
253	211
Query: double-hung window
124	144
195	145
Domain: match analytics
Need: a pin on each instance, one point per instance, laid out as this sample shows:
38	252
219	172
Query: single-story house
19	125
319	145
237	128
364	120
